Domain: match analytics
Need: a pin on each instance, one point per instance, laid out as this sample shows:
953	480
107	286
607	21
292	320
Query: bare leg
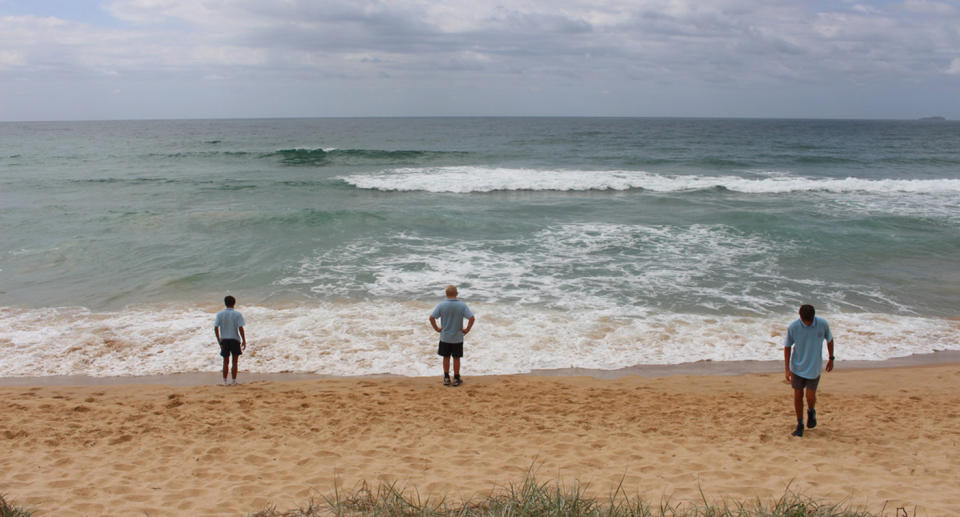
811	409
798	403
236	359
798	408
226	367
446	366
456	366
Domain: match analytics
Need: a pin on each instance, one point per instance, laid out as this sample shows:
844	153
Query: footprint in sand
255	459
120	439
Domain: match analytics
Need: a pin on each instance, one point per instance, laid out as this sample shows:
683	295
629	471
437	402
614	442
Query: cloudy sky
131	59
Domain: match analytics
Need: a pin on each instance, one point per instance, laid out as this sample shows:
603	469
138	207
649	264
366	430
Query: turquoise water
585	242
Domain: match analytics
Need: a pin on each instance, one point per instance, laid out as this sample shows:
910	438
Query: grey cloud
630	45
714	33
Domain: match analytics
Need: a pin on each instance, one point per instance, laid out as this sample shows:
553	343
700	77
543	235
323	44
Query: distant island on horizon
933	118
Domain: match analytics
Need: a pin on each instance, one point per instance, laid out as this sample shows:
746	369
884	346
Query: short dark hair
807	312
229	301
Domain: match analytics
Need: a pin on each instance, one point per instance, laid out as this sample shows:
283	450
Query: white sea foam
360	338
565	266
466	179
614	269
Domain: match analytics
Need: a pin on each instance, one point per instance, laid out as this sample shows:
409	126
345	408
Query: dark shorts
230	347
447	349
800	383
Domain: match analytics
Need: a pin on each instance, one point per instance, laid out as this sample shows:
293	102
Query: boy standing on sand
228	328
451	313
805	338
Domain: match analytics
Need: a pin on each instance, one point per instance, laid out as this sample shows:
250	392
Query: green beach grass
8	510
533	499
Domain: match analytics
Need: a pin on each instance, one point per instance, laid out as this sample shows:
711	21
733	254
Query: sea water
583	242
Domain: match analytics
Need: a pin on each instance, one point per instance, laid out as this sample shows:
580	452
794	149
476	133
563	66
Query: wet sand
643	370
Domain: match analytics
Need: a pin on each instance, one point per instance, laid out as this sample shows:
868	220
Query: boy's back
451	314
229	321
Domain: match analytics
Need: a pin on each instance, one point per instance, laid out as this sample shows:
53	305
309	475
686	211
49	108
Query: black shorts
230	347
800	383
447	349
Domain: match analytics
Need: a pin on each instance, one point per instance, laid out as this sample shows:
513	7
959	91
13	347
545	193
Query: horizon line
623	117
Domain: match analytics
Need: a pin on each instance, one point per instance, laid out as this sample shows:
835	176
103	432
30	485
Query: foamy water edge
365	338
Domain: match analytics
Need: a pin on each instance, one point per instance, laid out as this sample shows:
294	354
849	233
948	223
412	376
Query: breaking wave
468	179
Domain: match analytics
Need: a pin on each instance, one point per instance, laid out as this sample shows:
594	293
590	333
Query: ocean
577	242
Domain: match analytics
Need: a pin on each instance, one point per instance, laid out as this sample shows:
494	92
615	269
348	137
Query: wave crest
467	179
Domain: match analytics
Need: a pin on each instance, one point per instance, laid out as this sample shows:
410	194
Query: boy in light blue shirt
228	327
451	312
803	359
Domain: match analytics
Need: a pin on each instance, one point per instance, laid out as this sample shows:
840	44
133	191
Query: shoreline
698	368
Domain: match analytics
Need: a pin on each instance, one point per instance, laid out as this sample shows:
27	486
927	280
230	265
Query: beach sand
887	438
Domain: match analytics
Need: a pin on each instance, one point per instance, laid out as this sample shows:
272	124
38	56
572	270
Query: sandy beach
887	438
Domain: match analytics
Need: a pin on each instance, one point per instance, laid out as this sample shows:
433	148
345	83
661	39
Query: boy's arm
433	322
244	337
469	324
830	351
786	363
216	332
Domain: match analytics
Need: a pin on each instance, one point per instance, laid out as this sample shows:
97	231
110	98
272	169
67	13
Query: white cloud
928	7
10	59
226	55
52	46
152	12
954	68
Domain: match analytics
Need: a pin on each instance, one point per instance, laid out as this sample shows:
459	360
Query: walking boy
228	328
805	338
451	312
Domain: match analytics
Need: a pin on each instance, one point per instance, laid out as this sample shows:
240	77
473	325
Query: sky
171	59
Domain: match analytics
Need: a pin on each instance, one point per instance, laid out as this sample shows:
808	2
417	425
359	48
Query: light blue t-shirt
229	322
451	314
806	359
